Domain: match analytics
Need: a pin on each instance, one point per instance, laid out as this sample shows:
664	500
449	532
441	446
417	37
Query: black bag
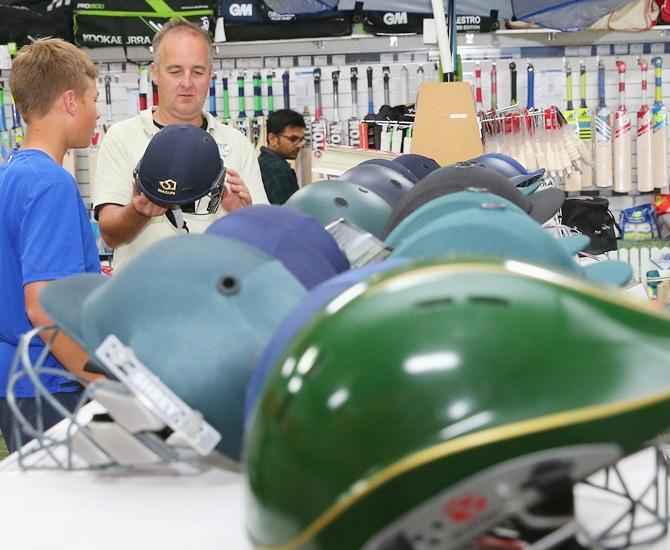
259	20
402	22
22	21
132	22
592	217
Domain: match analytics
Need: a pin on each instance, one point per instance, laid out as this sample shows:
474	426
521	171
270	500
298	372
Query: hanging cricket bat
584	124
318	126
659	144
335	126
494	87
285	78
257	120
271	95
479	106
242	120
94	149
530	95
645	176
527	145
5	136
512	74
603	125
353	136
621	146
386	72
367	127
225	117
143	87
404	85
420	77
154	94
212	95
572	179
371	101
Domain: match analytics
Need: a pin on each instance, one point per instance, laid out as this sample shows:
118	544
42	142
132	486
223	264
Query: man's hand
144	206
236	194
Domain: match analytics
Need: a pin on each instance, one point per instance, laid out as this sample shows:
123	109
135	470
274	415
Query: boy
45	233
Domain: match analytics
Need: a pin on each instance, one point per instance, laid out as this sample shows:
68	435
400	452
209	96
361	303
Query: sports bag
21	21
276	19
592	217
134	22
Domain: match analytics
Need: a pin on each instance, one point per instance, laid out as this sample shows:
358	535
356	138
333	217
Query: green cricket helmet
440	399
329	200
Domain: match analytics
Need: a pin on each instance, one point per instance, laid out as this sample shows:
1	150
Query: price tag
339	60
228	63
305	61
320	60
621	49
603	50
286	62
243	63
271	62
386	58
255	62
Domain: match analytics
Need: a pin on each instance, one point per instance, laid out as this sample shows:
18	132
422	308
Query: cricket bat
285	78
335	126
404	85
584	124
5	136
242	120
386	72
258	119
143	85
367	126
528	130
512	80
225	117
572	180
494	87
212	95
603	127
94	148
318	126
479	106
17	127
271	96
353	135
621	147
645	176
659	144
154	94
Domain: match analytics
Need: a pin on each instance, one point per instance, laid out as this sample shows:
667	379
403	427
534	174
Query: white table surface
163	508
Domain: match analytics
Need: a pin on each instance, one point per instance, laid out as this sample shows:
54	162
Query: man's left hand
236	194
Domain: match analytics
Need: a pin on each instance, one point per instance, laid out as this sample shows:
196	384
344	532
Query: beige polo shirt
123	147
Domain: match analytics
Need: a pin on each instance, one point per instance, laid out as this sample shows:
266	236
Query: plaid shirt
279	178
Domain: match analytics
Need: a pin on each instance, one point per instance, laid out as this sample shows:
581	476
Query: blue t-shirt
45	234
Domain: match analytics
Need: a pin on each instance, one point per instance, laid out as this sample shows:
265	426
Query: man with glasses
129	219
286	137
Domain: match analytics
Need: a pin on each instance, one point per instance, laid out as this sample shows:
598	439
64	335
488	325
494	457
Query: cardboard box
446	127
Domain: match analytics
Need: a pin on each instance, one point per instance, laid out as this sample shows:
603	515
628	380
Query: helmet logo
466	508
167	187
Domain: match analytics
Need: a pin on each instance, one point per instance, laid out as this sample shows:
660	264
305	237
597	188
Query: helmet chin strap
176	217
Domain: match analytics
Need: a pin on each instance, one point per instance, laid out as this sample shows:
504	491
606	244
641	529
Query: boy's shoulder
35	172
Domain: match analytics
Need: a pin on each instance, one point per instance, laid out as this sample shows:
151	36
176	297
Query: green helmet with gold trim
436	400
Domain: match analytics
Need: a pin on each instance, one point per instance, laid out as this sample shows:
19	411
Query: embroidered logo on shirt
225	149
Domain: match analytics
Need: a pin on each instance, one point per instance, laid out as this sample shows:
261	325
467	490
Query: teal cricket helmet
442	398
196	310
329	200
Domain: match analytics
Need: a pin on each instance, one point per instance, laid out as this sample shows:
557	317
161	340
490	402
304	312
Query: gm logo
395	18
167	187
241	10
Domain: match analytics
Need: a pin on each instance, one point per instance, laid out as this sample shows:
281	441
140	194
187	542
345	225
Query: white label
458	115
405	57
304	61
271	62
339	60
603	49
320	60
636	49
228	63
657	47
255	62
572	51
386	58
242	63
620	49
286	62
584	51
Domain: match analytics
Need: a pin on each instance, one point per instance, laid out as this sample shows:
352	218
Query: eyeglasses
293	139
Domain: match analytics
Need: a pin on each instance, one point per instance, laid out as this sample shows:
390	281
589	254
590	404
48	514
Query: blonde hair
45	69
180	25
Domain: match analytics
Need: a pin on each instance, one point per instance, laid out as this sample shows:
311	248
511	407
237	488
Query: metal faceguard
409	393
137	420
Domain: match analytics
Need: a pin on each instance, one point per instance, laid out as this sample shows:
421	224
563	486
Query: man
286	136
45	232
182	69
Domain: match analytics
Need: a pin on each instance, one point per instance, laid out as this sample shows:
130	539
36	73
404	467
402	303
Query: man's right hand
147	208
